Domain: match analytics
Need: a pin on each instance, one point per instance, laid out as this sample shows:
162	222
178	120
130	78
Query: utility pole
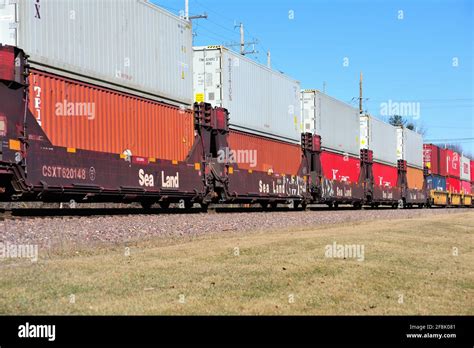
186	13
242	40
360	94
269	60
242	43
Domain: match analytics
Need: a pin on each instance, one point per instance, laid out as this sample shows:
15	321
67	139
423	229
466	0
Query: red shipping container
263	154
79	115
340	167
453	160
453	185
443	162
472	170
384	175
466	187
7	64
431	158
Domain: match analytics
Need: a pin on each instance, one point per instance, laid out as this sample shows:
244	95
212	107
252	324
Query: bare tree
454	147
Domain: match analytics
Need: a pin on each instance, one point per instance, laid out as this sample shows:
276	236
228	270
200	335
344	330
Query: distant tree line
397	120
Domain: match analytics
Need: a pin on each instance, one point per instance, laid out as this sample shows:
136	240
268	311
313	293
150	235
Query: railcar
125	155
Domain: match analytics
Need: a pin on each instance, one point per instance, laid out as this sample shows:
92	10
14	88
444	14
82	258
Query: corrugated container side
384	175
339	167
7	17
453	160
415	178
472	170
410	147
269	154
453	185
78	115
465	168
260	100
436	182
431	158
443	162
380	137
129	43
466	187
336	122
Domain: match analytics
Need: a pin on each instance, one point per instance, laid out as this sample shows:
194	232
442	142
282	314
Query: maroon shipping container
443	165
431	156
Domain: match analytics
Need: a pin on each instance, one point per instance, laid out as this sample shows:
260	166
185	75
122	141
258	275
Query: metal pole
269	59
242	40
186	10
360	94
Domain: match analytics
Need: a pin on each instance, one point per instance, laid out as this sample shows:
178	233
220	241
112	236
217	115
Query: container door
309	112
400	144
364	132
208	76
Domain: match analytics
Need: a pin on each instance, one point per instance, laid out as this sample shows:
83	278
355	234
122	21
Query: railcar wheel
204	207
146	205
164	205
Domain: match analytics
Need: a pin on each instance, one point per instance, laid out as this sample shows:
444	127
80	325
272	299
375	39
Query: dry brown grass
412	257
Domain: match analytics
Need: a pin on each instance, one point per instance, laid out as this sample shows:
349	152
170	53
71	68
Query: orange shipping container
415	178
268	154
83	116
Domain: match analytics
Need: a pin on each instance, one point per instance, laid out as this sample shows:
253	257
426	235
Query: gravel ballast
57	232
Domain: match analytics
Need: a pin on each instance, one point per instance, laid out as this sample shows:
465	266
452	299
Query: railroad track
24	213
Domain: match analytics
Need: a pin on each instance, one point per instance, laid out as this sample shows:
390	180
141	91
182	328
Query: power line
212	32
221	26
233	32
453	139
213	11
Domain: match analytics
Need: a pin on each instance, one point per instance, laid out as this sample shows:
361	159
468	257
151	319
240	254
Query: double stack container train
139	115
450	176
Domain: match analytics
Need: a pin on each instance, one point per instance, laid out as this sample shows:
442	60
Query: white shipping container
260	100
410	147
336	122
127	43
380	137
465	168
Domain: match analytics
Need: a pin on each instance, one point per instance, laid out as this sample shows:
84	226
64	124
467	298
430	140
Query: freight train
193	125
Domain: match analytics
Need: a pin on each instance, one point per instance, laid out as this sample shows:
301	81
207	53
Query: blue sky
423	54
